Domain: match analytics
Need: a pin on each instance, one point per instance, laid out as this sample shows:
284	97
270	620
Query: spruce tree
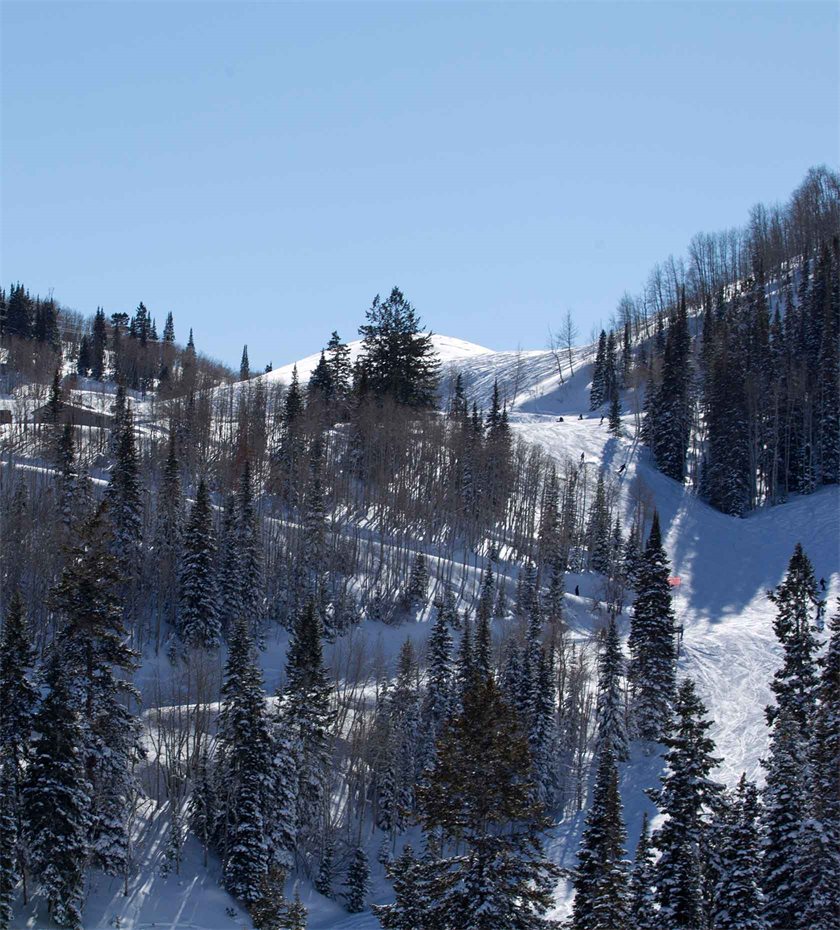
601	894
125	503
786	880
249	550
652	671
642	909
687	798
823	850
10	815
57	796
244	366
305	712
168	539
615	414
798	612
597	391
94	644
326	870
244	770
398	358
198	620
611	729
737	901
479	802
411	904
357	883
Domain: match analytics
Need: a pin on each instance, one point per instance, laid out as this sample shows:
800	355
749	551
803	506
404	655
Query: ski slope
726	566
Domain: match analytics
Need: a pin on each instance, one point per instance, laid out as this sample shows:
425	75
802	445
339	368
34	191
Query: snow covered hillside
725	568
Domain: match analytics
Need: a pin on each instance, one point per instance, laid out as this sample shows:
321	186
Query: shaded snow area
725	565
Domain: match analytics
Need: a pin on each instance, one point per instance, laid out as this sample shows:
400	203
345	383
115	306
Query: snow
449	350
726	566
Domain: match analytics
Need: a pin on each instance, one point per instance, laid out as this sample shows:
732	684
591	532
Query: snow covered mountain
725	568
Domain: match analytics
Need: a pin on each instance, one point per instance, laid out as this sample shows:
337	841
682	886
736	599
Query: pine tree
244	770
326	870
599	529
798	612
480	802
57	797
652	671
198	621
824	847
306	713
98	345
439	697
615	414
18	700
642	910
418	581
411	904
738	903
244	367
687	798
611	729
125	503
296	914
784	815
10	812
357	882
399	359
601	896
597	391
94	644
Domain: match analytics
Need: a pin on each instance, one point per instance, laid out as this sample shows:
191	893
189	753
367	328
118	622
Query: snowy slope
726	566
448	348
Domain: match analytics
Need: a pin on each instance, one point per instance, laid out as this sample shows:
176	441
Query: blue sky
262	170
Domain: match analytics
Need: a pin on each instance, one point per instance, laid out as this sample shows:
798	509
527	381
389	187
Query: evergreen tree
410	907
326	870
439	697
479	801
99	343
824	848
244	367
57	797
599	529
18	700
125	504
306	714
615	414
601	895
738	903
244	770
652	671
786	880
418	581
229	572
597	391
338	360
357	882
642	910
687	797
94	645
799	611
398	359
610	711
10	870
198	616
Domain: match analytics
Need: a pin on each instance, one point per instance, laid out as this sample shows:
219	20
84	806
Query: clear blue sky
262	170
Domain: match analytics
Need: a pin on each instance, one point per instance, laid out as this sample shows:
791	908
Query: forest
199	567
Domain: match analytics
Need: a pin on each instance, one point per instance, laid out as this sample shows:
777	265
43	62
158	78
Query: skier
577	590
822	584
623	466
